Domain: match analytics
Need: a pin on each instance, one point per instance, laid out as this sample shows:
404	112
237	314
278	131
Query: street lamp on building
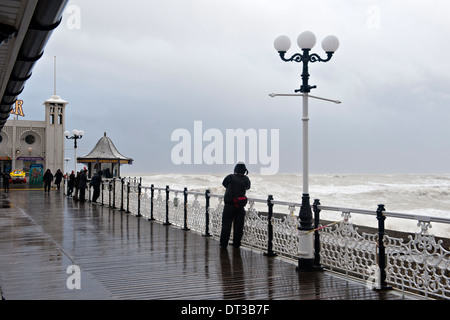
77	134
306	41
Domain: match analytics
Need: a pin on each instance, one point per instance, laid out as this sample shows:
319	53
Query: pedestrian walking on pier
70	183
48	178
6	178
58	178
234	205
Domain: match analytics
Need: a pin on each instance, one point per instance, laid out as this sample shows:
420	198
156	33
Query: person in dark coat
6	178
96	183
76	185
70	184
48	178
58	178
234	205
83	185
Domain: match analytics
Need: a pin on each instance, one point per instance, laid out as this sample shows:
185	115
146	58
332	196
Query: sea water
414	194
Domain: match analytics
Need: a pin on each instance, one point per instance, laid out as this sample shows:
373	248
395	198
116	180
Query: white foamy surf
415	194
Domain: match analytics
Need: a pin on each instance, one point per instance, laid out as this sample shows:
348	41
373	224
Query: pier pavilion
105	157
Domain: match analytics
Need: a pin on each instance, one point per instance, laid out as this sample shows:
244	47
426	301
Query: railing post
207	197
103	188
381	249
316	210
167	223
152	196
109	194
122	181
128	197
185	209
270	252
139	201
114	193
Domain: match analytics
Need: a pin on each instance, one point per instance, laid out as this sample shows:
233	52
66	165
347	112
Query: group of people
48	178
76	184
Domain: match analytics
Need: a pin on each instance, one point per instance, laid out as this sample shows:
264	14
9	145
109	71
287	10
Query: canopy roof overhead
25	28
105	152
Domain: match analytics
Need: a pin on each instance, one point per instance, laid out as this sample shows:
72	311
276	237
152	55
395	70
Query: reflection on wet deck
125	257
4	202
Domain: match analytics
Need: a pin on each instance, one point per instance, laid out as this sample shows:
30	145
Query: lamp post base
306	238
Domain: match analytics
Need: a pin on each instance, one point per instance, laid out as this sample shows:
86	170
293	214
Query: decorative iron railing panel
344	249
159	206
176	208
216	218
422	264
255	228
146	200
286	234
196	214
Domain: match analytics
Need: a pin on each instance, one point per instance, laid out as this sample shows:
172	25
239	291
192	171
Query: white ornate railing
417	263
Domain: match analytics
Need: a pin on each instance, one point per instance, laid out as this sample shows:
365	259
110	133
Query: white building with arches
25	142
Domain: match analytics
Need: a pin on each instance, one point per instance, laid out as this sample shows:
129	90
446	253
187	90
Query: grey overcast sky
140	70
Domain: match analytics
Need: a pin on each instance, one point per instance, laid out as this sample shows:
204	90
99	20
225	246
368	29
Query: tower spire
54	76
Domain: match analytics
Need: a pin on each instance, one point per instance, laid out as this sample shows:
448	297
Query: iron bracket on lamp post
302	95
306	41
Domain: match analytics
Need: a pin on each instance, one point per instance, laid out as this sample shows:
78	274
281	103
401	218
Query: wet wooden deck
125	257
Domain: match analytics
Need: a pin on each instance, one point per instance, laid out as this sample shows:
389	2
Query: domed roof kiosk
105	157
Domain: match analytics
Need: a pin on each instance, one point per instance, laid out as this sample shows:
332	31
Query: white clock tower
54	133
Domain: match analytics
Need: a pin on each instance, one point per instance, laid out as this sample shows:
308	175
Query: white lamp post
77	134
306	41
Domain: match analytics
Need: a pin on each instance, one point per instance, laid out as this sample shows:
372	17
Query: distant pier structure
105	157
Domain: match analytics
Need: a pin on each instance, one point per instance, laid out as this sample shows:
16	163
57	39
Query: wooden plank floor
124	257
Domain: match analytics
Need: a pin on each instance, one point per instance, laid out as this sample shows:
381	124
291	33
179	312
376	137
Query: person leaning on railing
234	205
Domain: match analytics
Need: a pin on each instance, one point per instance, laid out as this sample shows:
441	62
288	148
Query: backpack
238	201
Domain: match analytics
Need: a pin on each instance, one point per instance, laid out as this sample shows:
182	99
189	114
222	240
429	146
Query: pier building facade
24	143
